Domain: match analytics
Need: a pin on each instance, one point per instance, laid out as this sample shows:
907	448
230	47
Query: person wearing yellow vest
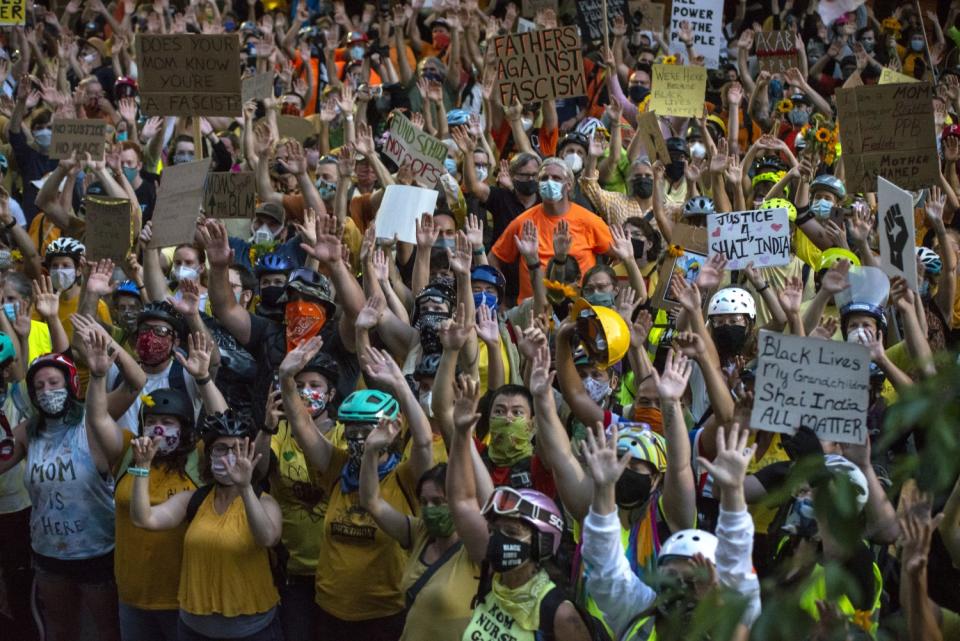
359	566
513	535
226	587
633	609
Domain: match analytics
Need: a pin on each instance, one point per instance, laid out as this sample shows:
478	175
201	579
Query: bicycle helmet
644	445
368	406
573	138
781	203
828	183
834	255
457	117
427	367
767	177
125	87
687	543
588	126
324	365
229	423
678	145
273	264
931	261
732	300
4	163
65	246
127	287
699	206
7	352
165	312
63	363
436	292
534	508
167	402
837	464
489	274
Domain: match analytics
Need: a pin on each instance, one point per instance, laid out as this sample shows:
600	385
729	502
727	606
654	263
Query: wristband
203	381
533	266
97	376
763	288
803	215
479	251
10	225
139	471
557	261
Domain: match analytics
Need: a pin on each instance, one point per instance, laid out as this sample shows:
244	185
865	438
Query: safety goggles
506	501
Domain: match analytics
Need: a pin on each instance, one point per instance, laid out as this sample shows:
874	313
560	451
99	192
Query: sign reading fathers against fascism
424	153
704	17
760	236
888	131
820	384
678	90
189	74
81	136
539	65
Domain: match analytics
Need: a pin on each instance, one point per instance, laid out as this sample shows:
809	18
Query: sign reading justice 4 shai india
539	65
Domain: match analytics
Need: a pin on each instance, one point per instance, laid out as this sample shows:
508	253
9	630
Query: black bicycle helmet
679	145
229	423
165	312
168	402
324	365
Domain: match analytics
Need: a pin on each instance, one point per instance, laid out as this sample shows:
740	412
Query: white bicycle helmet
837	464
732	300
686	543
66	246
588	126
827	182
930	259
699	206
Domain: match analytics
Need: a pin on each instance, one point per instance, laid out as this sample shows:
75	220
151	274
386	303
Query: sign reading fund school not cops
189	75
820	384
539	65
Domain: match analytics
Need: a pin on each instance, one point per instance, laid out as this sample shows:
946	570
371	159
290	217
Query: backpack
278	554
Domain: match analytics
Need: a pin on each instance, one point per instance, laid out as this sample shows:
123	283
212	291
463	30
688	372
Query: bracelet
533	266
763	288
349	117
557	261
139	471
97	376
10	225
203	381
479	251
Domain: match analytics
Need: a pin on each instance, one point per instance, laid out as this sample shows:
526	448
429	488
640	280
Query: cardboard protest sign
693	243
678	90
189	74
590	16
424	153
539	65
178	203
230	194
820	384
295	127
110	228
81	136
897	232
646	16
890	77
257	87
400	210
529	8
830	10
760	236
776	51
704	17
13	12
649	128
888	130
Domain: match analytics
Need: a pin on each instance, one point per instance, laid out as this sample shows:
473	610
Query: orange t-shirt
590	235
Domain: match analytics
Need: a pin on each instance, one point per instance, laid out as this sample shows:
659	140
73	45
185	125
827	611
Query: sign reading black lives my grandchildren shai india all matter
539	65
811	382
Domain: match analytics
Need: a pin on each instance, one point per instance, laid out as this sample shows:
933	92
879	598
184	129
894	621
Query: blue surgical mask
482	173
130	173
43	137
121	136
798	117
821	208
327	189
916	45
10	311
775	90
179	159
450	165
229	25
485	298
357	52
601	299
551	190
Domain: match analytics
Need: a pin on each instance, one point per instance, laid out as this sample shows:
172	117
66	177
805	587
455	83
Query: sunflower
785	106
147	400
16	255
669	60
562	288
891	24
822	135
675	250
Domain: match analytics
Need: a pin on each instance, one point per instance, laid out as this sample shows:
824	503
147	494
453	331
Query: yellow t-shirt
357	557
441	610
224	571
302	503
805	250
39	341
147	563
763	516
483	364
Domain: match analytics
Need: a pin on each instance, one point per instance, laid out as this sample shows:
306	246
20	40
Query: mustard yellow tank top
224	571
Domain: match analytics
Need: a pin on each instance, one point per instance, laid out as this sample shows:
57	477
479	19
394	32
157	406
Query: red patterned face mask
153	349
304	321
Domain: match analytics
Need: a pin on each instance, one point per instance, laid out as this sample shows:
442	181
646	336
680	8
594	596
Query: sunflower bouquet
822	137
669	60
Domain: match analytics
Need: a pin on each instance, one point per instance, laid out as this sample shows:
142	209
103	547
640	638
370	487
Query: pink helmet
533	507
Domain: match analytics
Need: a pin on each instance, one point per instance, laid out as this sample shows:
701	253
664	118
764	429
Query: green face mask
510	440
437	520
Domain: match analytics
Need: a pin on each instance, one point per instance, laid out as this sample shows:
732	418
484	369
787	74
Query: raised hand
640	329
144	449
676	373
297	358
621	247
454	332
562	240
240	470
488	328
627	301
474	231
686	294
101	353
427	232
826	329
215	241
528	242
466	394
461	256
711	274
791	295
916	530
600	455
733	456
371	312
328	248
380	367
382	436
188	301
936	200
47	301
836	279
197	362
541	376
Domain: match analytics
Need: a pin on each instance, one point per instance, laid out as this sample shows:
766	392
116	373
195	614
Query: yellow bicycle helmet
832	256
781	203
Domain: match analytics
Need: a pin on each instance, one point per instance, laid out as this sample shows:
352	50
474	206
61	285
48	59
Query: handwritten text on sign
230	194
539	65
590	16
81	136
678	90
109	228
888	131
704	17
12	12
776	51
423	152
760	236
820	384
189	75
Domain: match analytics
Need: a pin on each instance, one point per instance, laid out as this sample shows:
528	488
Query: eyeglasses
525	176
157	330
222	450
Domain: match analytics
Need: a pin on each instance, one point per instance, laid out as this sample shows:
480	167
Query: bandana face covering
510	440
304	321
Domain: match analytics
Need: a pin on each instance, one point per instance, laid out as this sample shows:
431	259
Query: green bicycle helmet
7	352
368	406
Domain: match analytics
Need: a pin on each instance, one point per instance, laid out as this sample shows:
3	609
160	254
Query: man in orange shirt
589	235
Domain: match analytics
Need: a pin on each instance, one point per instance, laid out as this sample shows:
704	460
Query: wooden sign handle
606	28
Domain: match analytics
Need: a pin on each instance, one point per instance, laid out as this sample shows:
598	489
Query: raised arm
213	237
679	493
198	364
315	446
105	436
388	518
166	515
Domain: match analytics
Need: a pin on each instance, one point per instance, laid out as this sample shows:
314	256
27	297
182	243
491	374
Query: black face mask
642	186
505	552
675	170
639	246
730	339
638	93
270	296
633	489
525	187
